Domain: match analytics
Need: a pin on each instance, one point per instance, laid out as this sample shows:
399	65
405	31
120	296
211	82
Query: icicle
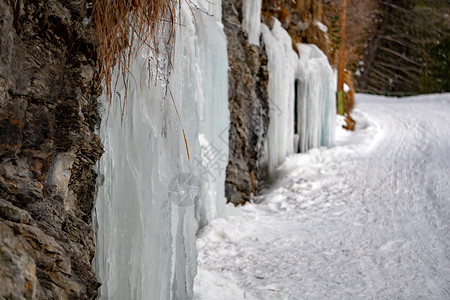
316	104
145	212
282	66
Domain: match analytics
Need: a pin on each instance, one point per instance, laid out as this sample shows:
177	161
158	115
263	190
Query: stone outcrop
48	113
249	107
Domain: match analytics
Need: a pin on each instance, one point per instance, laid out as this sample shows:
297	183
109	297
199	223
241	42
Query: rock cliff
249	107
48	112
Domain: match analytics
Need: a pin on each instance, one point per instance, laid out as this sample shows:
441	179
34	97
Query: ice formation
151	197
316	104
251	20
308	81
282	67
212	97
153	192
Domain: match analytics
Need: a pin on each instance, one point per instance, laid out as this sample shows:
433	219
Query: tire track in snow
412	190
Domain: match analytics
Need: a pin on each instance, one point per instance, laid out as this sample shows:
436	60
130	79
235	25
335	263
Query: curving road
368	219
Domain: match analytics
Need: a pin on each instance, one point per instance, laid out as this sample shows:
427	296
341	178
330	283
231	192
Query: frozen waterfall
212	96
154	192
282	66
251	20
151	197
309	83
316	104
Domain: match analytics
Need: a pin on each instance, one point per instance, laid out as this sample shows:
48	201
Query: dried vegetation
123	27
300	20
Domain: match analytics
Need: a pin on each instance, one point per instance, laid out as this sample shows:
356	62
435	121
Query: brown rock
249	107
17	269
48	112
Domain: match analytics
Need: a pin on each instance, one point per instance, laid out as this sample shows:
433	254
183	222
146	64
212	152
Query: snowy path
368	219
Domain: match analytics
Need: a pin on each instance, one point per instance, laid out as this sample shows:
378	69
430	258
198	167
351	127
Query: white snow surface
367	219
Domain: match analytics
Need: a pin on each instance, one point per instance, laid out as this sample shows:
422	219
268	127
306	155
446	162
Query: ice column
212	63
145	215
251	20
316	108
282	67
316	104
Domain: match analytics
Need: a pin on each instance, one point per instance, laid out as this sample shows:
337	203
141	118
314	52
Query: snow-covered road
368	219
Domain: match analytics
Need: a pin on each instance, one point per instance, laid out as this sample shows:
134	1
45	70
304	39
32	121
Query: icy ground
368	219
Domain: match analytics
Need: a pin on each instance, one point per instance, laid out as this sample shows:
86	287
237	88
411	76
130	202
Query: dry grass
123	27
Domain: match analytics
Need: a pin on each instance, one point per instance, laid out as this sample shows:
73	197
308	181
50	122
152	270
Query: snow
346	88
282	67
366	219
316	100
251	20
321	26
151	195
218	286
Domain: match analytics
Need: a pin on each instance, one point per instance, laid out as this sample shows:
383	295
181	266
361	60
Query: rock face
249	107
47	150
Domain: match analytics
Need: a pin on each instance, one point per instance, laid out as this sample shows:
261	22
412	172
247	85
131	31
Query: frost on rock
251	20
316	104
282	67
151	197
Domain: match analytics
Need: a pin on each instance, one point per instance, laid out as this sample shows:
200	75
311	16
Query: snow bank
151	197
210	284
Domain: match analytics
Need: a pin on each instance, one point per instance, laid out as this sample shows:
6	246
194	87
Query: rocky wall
48	113
249	107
